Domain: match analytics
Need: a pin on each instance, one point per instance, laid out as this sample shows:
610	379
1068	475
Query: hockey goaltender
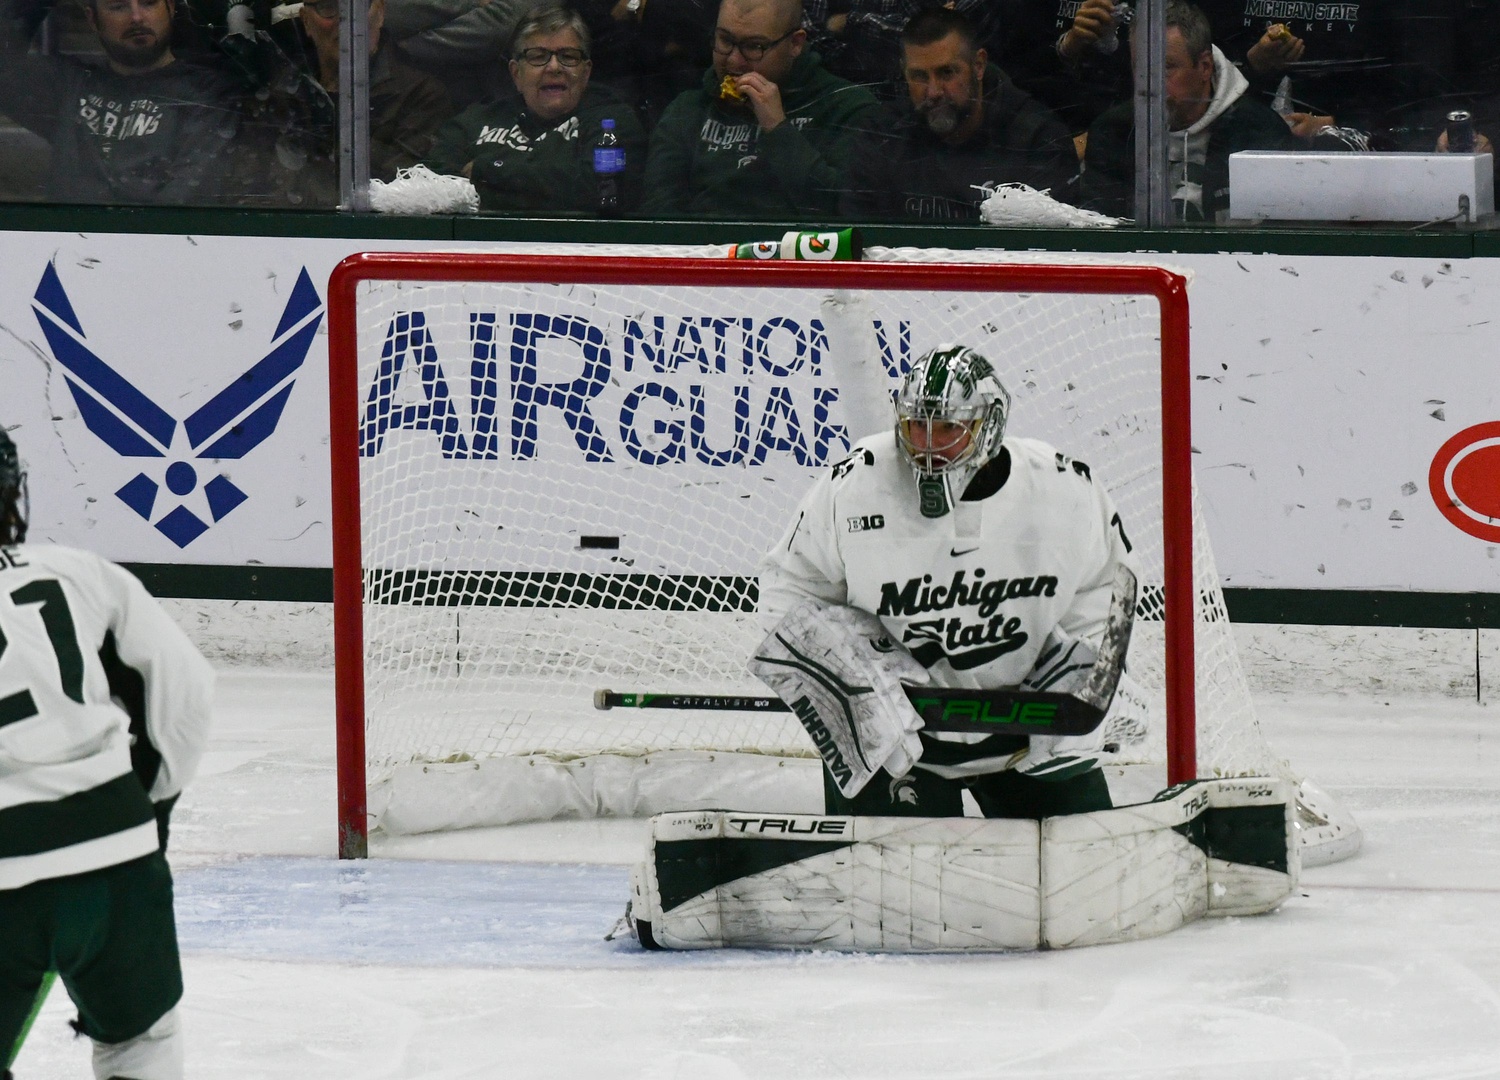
945	554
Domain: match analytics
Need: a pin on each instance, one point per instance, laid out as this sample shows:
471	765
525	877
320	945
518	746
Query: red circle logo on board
1465	480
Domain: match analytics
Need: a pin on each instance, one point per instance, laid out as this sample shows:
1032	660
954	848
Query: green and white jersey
104	710
974	594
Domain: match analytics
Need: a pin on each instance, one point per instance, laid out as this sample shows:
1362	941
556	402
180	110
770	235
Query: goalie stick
987	712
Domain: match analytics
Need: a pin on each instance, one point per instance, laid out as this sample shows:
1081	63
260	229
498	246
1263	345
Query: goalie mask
12	493
950	418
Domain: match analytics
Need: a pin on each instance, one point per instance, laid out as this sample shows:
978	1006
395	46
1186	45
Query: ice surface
483	955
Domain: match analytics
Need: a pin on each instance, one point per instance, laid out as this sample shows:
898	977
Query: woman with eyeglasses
534	151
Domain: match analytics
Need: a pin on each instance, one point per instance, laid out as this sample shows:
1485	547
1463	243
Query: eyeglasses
539	57
725	43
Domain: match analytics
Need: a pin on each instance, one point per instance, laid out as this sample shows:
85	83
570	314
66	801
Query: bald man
768	133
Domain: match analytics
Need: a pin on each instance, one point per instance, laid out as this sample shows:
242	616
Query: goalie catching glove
838	670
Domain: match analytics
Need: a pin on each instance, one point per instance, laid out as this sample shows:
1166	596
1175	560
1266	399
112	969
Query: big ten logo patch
179	489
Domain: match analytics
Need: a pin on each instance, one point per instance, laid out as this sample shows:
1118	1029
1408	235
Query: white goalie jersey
974	594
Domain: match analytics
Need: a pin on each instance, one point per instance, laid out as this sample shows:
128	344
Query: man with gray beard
964	124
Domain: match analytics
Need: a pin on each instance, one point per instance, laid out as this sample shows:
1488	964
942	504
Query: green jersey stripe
17	707
34	827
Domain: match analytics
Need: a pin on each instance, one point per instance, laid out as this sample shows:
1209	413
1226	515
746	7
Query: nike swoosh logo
955	553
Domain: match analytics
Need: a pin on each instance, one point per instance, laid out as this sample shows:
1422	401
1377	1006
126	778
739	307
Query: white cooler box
1285	186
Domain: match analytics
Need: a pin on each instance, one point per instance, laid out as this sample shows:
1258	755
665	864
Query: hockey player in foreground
104	709
944	553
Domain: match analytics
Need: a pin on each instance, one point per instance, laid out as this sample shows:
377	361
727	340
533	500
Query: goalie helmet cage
405	544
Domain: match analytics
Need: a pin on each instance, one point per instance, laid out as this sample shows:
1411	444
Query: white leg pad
719	878
884	884
154	1055
1138	871
1247	880
1118	875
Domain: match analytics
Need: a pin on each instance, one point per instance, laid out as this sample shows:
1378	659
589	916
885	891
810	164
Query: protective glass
539	57
725	43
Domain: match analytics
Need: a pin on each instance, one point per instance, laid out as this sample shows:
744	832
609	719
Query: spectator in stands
533	150
654	51
860	40
460	43
1345	64
963	124
143	127
1094	28
767	135
1083	68
406	109
1210	115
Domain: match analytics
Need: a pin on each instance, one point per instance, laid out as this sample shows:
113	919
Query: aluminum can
1460	132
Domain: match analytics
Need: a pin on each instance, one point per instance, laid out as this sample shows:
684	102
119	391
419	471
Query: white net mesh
567	487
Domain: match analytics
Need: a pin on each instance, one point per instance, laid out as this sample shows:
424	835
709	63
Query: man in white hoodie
1209	117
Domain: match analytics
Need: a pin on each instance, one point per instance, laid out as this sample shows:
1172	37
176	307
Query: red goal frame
1168	288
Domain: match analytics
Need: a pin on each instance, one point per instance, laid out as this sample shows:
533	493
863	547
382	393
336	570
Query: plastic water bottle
609	163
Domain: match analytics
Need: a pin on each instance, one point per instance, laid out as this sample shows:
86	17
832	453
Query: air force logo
234	422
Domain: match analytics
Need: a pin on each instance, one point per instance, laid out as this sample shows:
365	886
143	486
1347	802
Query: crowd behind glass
812	111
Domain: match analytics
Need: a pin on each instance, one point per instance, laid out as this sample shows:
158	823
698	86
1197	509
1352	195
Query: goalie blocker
720	878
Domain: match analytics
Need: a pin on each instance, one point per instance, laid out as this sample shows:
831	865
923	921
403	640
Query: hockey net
555	475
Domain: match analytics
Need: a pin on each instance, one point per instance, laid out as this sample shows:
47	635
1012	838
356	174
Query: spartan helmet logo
903	791
950	420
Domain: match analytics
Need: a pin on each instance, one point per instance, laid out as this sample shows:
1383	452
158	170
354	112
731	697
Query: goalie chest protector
974	594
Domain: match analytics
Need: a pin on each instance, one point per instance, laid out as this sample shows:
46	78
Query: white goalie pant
719	878
156	1054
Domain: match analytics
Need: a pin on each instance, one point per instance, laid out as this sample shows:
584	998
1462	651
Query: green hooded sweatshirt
711	159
